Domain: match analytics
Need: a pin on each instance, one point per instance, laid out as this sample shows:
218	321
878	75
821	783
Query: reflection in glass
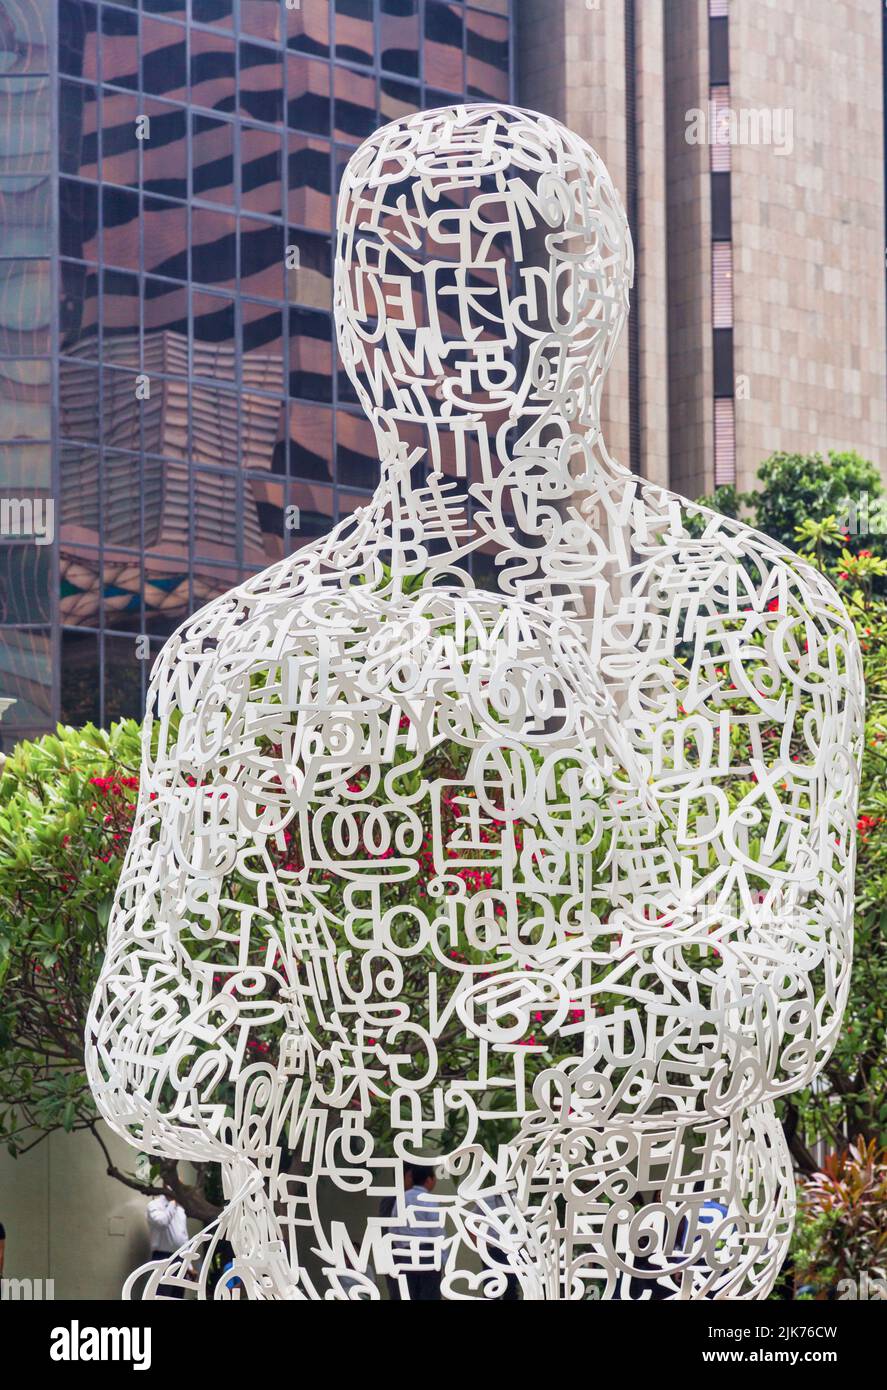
307	28
356	116
79	511
121	316
214	353
25	215
25	122
164	63
78	220
443	45
213	247
124	675
79	310
121	517
81	678
261	89
212	71
120	219
307	96
120	48
212	159
166	327
357	457
354	31
261	170
77	40
262	346
165	153
24	36
214	415
263	524
261	258
261	18
259	431
311	442
309	280
215	515
79	399
397	99
166	238
310	354
122	409
120	145
25	399
25	308
25	583
486	68
308	181
399	36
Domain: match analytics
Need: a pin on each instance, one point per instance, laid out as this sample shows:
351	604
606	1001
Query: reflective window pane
25	212
213	247
307	96
165	151
355	110
164	61
307	28
79	399
262	346
124	675
79	310
486	68
25	308
443	45
311	442
261	170
261	18
24	35
212	159
354	31
121	318
308	181
261	258
120	48
215	346
25	123
81	678
399	36
213	62
310	354
25	584
261	83
77	39
26	677
166	238
25	399
120	143
79	220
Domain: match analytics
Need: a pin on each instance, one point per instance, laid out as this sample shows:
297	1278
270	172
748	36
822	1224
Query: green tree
67	803
807	487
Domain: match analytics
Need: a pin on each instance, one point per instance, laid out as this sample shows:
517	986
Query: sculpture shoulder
728	567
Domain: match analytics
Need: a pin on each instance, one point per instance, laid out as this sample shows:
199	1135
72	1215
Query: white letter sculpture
510	827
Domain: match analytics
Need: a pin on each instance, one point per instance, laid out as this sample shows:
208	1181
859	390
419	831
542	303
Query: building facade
171	399
172	417
747	137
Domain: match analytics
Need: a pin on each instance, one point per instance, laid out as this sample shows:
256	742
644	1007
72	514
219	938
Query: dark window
718	52
723	361
721	211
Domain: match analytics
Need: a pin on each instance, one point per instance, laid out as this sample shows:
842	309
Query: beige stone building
747	139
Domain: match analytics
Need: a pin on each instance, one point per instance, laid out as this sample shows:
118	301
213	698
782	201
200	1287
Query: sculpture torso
552	882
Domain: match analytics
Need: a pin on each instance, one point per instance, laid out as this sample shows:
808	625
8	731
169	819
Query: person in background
168	1227
386	1208
423	1284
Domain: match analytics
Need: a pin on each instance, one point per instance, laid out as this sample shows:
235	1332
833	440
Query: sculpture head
482	273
